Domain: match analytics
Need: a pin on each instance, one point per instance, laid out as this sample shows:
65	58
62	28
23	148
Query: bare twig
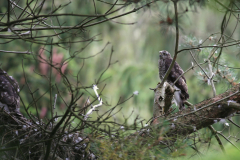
214	132
176	44
17	52
95	106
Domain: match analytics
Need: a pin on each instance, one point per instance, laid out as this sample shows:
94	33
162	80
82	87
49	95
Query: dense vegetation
120	55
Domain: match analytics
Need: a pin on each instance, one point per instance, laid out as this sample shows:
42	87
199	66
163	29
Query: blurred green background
136	48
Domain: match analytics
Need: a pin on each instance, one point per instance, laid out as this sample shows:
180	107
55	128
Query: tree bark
199	115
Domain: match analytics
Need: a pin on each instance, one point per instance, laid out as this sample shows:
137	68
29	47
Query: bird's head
164	54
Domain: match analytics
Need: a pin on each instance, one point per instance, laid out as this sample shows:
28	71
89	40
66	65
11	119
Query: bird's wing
174	74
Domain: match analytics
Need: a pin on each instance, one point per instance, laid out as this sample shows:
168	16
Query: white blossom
136	93
21	141
226	124
223	121
209	82
92	156
122	127
174	119
173	125
24	127
194	108
194	128
231	101
79	139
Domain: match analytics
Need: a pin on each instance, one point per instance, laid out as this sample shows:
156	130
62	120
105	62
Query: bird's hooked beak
160	54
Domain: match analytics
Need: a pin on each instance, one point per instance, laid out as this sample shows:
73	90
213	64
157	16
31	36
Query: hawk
181	90
9	93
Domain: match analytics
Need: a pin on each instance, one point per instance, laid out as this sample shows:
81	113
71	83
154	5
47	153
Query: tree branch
176	45
188	121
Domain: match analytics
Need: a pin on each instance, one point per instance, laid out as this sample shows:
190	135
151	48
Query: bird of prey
181	90
9	93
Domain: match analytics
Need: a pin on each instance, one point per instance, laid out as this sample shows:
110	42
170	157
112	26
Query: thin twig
17	52
228	140
176	44
55	100
198	64
95	106
211	78
214	132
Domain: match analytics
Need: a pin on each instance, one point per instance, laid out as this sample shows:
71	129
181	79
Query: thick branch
204	113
